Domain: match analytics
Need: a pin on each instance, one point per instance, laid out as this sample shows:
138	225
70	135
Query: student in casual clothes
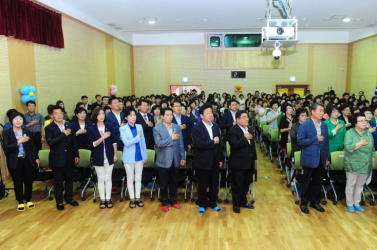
35	123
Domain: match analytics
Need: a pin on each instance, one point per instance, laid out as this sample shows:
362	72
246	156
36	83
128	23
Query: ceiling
223	15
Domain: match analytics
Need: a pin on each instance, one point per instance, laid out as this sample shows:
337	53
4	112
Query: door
292	89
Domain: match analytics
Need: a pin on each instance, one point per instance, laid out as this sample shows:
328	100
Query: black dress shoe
248	206
317	207
304	209
60	206
236	209
73	203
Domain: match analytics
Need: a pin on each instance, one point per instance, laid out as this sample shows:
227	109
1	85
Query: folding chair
228	176
275	140
367	186
84	171
336	173
264	137
119	175
44	174
150	171
287	156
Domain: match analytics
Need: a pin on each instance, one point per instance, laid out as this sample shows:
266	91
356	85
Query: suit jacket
186	133
207	153
129	141
11	148
169	152
98	151
242	153
82	140
62	148
115	125
148	131
227	121
312	150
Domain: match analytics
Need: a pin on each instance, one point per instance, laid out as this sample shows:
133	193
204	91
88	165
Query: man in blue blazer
116	119
315	155
170	156
183	122
208	158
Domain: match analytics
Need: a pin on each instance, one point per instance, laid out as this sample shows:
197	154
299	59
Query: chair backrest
263	123
274	134
289	149
43	155
151	159
227	145
265	129
119	164
375	161
84	155
337	159
258	122
297	164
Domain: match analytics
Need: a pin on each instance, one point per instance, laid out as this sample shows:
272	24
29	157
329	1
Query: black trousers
206	177
22	176
63	175
241	179
168	177
311	185
37	137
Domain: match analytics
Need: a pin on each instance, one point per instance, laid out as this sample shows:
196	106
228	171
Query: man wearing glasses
315	155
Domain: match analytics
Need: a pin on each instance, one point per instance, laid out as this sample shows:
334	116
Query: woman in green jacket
358	160
336	129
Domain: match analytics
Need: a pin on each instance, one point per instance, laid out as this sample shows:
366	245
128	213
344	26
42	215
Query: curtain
26	20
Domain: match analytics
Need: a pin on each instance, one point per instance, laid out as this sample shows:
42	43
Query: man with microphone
242	160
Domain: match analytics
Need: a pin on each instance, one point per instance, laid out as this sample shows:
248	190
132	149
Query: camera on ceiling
277	52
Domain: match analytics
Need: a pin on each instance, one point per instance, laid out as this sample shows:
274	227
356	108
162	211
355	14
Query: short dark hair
84	96
329	109
346	93
284	106
355	116
175	101
10	112
365	109
239	113
164	110
315	105
98	95
104	108
79	104
155	107
128	111
343	107
103	97
299	111
273	102
95	113
204	107
54	107
14	115
232	100
140	102
112	98
79	110
32	102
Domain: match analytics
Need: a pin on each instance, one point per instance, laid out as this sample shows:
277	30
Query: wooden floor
276	223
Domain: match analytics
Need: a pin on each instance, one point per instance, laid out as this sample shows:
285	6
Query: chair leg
84	189
122	190
371	193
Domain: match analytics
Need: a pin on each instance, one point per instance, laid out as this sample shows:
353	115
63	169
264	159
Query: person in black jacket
22	159
80	129
242	160
63	156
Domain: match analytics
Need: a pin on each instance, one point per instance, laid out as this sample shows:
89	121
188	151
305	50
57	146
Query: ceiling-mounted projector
279	32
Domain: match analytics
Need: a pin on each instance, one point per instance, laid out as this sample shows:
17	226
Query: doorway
292	89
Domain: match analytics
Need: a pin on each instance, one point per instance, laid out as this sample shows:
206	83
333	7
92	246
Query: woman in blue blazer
103	139
134	155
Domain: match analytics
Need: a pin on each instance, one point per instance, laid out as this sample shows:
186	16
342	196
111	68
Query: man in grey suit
170	156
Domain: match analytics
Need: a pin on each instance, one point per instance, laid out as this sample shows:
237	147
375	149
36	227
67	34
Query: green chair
336	173
118	176
275	140
287	155
84	171
297	173
374	168
150	171
44	174
265	135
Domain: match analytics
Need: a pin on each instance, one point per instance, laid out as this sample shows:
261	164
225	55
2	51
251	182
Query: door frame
289	86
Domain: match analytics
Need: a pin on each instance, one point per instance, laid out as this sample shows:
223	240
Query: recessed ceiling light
151	22
245	37
306	25
347	19
358	19
205	20
303	19
140	22
178	20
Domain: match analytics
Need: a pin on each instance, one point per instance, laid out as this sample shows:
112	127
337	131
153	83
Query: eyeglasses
362	121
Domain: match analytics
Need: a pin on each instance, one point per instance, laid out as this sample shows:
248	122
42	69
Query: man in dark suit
98	102
116	119
183	122
229	118
88	107
315	154
146	121
63	156
208	158
242	160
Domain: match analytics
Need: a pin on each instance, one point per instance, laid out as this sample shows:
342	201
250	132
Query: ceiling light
245	37
347	19
205	20
151	22
178	20
140	22
303	19
358	19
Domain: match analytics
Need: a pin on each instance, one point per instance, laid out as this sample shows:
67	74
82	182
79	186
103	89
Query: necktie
145	118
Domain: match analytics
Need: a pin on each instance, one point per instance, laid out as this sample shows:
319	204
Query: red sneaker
165	208
176	206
